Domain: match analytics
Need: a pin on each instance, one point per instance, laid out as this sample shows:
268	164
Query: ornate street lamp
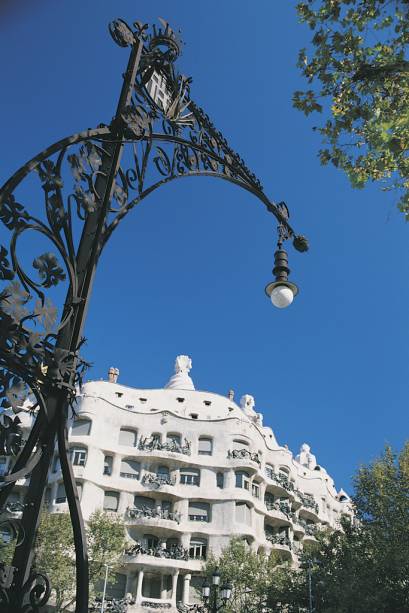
214	596
88	183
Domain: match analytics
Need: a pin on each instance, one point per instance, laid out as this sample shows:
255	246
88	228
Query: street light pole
105	587
89	182
215	597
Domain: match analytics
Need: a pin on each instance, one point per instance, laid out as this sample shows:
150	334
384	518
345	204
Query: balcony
282	507
158	480
279	539
175	552
281	480
309	529
152	444
308	502
148	513
243	454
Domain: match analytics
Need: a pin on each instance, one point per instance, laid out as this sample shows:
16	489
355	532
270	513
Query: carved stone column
139	587
174	587
186	589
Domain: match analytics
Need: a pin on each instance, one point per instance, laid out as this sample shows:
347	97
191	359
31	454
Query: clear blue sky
186	272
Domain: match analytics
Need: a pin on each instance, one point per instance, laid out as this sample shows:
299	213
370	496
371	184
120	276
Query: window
107	465
180	399
270	472
243	513
284	470
56	464
205	446
239	444
78	456
3	466
198	549
47	497
242	479
190	476
194	415
255	490
61	495
119	394
151	541
143	502
81	427
269	501
5	535
111	501
199	511
173	438
207	402
130	469
163	471
220	480
127	437
79	489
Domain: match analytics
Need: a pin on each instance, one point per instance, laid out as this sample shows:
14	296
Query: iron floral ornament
82	187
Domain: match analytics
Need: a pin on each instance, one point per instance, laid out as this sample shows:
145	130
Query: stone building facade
188	470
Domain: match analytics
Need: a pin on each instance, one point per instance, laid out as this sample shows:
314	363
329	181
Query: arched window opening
242	479
127	437
130	469
205	445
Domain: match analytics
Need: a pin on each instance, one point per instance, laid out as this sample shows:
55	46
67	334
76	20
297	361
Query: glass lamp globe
281	293
282	296
206	589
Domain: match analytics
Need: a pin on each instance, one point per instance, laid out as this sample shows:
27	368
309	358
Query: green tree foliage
54	552
250	574
365	567
357	70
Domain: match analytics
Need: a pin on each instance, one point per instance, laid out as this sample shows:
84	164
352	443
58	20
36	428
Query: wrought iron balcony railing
174	552
308	502
280	479
157	479
310	529
243	454
283	507
141	512
279	539
174	446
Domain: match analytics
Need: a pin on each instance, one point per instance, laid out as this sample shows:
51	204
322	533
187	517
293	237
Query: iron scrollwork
86	184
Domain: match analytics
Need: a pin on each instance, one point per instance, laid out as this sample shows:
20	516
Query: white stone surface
204	440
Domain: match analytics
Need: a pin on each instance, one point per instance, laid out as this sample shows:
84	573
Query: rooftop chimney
113	374
230	395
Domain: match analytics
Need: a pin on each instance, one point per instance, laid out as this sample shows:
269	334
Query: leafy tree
365	567
54	552
250	574
357	69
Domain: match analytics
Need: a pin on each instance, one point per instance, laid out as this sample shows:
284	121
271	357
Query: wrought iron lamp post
88	183
215	597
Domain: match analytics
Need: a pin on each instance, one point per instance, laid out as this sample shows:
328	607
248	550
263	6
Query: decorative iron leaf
86	199
137	122
93	157
49	175
120	195
6	273
48	269
13	300
12	214
46	314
